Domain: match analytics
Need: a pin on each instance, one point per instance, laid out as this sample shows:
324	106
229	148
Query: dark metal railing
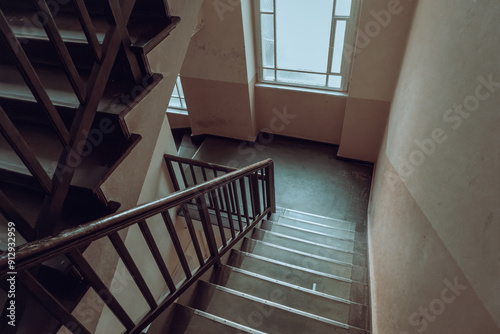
69	243
88	89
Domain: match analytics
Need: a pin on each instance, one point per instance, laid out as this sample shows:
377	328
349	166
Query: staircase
294	273
69	73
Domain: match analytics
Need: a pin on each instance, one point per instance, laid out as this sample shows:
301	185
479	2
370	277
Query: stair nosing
313	232
306	241
318	216
279	306
223	321
302	253
289	285
291	266
316	224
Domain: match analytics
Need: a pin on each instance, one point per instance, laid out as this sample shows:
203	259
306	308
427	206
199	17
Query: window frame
181	97
347	61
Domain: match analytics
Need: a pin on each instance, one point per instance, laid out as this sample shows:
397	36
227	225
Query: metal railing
88	90
69	242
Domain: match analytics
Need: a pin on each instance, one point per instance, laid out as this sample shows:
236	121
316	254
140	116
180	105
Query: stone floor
308	175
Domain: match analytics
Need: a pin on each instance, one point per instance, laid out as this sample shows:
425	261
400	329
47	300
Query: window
302	43
178	101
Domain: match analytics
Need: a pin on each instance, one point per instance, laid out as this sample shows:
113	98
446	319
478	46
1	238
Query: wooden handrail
36	252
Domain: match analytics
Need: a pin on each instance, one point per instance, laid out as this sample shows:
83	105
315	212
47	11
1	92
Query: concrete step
317	237
317	227
187	320
339	287
293	296
301	259
309	247
333	222
263	315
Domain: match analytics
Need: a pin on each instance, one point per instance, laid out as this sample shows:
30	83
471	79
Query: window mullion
275	44
332	41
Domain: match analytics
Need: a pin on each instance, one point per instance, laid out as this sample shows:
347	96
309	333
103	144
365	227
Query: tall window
178	101
302	42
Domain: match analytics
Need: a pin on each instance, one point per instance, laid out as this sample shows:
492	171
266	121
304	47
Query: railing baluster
67	62
207	225
86	271
51	303
256	192
32	80
192	233
252	196
264	193
16	141
176	243
229	214
244	198
171	171
184	179
146	232
237	204
223	208
193	175
205	179
270	189
213	196
88	29
133	269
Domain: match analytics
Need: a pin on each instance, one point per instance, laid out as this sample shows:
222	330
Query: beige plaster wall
217	70
434	209
302	114
379	50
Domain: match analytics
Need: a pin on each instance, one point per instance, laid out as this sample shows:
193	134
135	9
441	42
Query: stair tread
59	89
290	213
44	143
280	319
297	258
349	245
202	322
311	227
296	297
142	30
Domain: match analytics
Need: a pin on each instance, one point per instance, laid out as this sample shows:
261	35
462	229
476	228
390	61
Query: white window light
178	101
303	43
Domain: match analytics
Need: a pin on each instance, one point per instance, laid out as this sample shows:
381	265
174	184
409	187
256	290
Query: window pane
343	8
302	78
269	74
266	5
179	86
267	22
175	102
303	34
338	45
175	92
183	104
335	81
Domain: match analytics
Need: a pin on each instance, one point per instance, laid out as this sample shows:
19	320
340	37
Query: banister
199	163
36	252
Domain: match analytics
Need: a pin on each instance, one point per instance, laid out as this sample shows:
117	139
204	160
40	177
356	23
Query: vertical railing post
271	195
254	178
207	226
